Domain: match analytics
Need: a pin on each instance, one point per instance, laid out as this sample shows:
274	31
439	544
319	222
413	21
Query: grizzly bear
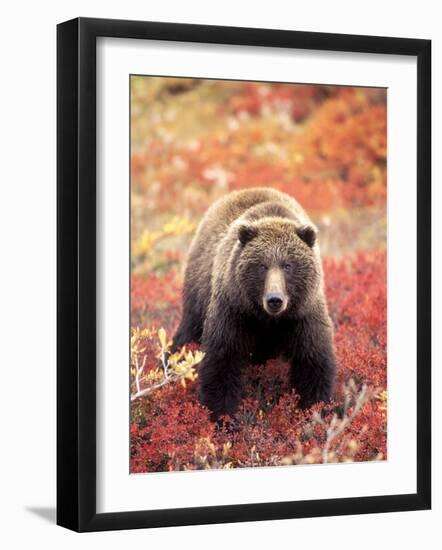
253	290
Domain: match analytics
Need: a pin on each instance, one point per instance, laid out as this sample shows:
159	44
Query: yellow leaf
198	357
162	337
226	447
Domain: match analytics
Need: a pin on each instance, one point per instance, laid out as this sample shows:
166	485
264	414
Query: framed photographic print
243	274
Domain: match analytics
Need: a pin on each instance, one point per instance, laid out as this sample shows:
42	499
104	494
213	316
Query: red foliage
167	440
356	291
298	100
170	430
338	160
155	300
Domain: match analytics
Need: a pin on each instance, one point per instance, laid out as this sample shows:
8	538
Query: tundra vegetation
192	141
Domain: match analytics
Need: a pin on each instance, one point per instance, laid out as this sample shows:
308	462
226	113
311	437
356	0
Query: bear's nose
274	301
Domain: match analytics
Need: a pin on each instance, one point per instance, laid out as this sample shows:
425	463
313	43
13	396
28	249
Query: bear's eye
287	267
262	268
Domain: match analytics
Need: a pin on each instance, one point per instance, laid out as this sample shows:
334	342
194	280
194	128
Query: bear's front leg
220	371
313	362
220	384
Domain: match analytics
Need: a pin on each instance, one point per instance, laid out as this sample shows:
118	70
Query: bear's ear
246	233
307	234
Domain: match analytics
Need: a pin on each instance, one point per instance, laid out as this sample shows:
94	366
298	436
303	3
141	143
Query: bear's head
277	268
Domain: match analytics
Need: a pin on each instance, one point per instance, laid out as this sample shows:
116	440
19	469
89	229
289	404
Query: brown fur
245	240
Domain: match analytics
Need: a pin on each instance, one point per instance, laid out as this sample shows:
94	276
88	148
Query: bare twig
150	389
172	367
139	372
336	426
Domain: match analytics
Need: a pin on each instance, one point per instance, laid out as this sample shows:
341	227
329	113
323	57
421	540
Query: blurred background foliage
194	140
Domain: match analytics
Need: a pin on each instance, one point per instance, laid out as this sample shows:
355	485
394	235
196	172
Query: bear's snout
275	295
275	301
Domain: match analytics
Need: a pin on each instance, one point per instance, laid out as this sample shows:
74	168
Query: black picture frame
76	273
